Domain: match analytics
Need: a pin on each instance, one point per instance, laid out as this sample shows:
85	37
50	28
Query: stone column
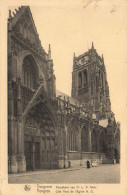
33	151
67	139
41	149
111	147
60	139
20	131
60	150
50	150
54	86
78	140
13	166
65	144
82	79
78	145
89	140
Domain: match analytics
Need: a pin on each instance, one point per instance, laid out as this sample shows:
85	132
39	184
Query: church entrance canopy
39	139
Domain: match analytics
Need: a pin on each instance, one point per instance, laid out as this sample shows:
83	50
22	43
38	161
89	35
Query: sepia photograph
64	95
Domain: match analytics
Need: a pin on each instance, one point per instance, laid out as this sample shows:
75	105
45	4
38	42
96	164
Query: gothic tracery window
29	73
84	139
102	142
72	134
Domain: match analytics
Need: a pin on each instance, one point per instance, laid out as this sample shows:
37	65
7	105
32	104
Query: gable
24	28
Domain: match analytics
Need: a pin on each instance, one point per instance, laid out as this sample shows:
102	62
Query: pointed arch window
84	139
80	79
94	141
103	142
72	141
85	77
99	74
29	72
72	138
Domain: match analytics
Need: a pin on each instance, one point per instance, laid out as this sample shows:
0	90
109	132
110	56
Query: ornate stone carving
12	158
23	30
20	157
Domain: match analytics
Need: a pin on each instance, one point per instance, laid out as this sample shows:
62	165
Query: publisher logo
27	187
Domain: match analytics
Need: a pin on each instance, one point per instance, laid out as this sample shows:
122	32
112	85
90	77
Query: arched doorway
40	139
103	142
84	139
94	141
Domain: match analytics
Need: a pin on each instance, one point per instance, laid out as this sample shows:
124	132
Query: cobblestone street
100	174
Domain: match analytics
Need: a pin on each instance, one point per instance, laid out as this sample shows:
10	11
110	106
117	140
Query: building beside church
48	129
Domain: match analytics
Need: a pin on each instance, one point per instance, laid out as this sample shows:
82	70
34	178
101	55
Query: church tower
89	83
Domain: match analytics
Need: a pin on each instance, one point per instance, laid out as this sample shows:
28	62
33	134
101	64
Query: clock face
83	60
86	58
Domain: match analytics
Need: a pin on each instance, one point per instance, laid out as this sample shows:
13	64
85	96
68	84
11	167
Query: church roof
67	97
71	100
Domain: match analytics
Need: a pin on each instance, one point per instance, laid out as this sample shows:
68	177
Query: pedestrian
92	164
88	164
95	163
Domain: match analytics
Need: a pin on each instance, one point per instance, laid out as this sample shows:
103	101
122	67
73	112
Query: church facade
47	129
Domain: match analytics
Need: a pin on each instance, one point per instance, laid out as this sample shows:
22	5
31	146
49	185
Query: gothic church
47	129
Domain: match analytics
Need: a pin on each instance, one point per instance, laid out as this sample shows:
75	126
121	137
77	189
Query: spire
92	46
13	13
102	57
49	51
16	10
74	59
74	55
103	62
10	16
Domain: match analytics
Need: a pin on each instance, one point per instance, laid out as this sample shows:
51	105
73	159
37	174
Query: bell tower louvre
89	82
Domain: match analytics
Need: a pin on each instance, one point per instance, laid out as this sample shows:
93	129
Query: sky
72	26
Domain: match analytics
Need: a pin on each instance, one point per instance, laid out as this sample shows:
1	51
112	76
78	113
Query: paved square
101	174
